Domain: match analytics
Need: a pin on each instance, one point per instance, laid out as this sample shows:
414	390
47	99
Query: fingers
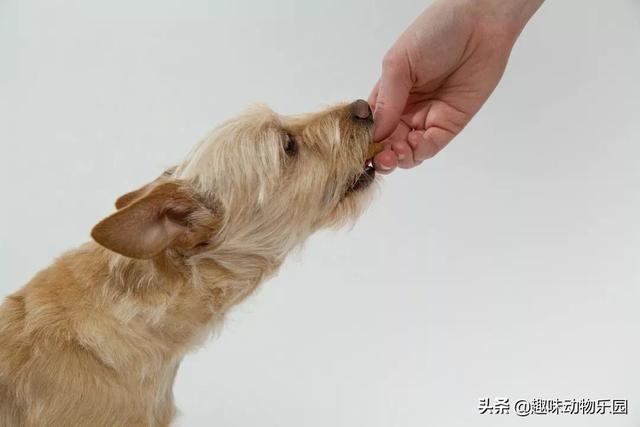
418	146
385	162
389	96
428	143
399	154
430	129
404	153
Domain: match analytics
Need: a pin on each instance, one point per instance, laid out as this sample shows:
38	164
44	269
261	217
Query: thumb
391	98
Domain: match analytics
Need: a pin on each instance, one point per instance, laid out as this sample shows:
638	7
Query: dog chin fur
96	338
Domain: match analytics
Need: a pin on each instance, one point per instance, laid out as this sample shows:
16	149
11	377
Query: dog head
259	184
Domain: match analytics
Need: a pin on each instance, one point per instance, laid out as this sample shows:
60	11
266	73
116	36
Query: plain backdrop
507	266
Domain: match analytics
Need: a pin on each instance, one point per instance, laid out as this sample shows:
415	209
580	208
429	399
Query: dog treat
374	149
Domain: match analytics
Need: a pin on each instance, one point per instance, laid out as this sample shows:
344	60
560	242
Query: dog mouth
368	174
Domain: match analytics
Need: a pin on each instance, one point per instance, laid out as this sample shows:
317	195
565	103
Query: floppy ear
126	199
164	215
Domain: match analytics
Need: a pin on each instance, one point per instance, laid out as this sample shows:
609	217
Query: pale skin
439	73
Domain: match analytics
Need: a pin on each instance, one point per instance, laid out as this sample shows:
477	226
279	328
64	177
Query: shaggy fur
96	338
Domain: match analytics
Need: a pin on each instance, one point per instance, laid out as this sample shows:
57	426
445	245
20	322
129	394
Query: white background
508	266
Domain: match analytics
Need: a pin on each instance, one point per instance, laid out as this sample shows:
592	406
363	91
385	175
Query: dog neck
142	316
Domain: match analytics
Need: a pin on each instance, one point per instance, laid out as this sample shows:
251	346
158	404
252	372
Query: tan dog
96	338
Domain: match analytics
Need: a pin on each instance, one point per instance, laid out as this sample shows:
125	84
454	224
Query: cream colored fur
96	338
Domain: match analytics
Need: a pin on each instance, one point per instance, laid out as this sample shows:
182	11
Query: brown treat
374	149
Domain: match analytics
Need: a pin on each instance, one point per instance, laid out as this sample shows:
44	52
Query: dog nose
360	110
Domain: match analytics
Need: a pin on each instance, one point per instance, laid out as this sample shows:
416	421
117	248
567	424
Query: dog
96	338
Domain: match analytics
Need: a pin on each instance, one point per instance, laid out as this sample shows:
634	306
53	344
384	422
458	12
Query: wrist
505	16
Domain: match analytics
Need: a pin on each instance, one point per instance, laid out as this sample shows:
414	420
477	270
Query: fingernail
385	167
401	156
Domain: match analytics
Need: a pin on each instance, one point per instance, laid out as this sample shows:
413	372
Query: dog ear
164	215
126	199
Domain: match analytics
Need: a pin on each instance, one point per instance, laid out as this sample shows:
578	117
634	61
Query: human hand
438	74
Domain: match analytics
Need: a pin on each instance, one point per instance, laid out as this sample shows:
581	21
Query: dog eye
290	145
